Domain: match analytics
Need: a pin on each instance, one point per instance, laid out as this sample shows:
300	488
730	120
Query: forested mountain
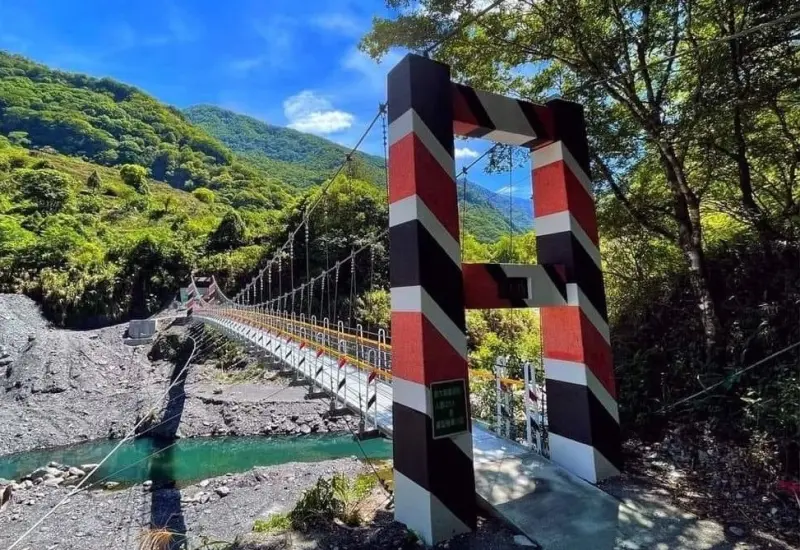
302	160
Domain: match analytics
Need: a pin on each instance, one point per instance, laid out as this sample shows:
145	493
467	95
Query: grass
156	539
276	523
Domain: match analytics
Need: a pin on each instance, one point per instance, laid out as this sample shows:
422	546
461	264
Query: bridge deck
543	501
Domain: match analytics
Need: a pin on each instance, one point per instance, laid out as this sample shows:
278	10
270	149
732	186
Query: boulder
88	467
111	485
77	472
53	482
223	491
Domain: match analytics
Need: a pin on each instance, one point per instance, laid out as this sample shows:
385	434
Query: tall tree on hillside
641	70
94	182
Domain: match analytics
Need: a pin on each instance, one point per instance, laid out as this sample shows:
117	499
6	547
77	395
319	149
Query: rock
736	530
147	484
53	482
48	477
6	361
111	485
305	429
41	472
217	391
222	491
73	471
204	483
31	337
57	466
28	483
522	540
203	497
88	467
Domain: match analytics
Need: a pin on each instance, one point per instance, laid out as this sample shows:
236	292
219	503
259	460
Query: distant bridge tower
430	290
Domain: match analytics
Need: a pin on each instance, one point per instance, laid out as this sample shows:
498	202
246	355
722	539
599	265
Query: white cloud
465	153
308	112
340	23
515	190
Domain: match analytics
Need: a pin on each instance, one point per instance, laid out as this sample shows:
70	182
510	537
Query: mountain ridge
302	160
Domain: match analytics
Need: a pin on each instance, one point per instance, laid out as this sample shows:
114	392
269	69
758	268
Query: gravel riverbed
59	387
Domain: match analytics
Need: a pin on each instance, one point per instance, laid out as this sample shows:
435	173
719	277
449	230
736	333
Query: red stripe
480	289
414	171
567	334
438	362
302	345
319	352
556	188
342	362
371	376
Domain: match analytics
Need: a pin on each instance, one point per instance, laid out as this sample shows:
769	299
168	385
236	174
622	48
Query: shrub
204	195
93	181
48	189
135	176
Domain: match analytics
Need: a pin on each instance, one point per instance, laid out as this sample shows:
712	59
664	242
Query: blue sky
290	63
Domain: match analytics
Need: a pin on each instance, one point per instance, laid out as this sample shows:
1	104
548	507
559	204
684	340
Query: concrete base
563	512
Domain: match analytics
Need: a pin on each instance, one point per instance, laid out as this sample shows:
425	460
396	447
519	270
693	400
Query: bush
94	182
135	176
329	499
48	189
204	195
42	164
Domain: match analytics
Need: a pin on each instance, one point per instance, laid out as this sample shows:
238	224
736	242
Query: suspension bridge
411	382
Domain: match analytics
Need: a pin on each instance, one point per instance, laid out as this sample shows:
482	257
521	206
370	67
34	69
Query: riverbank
62	387
219	508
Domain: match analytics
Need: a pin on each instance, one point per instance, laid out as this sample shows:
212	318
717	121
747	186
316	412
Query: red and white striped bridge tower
430	290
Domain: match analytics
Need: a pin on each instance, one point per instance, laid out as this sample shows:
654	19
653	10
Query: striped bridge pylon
434	478
583	418
430	289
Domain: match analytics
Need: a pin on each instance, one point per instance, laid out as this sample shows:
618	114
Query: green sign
450	412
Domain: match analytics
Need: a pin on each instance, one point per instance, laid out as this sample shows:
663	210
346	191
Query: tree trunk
690	241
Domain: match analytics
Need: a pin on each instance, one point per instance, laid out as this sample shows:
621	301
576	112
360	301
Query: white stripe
576	297
413	208
416	299
412	395
499	136
557	151
411	122
565	221
582	460
507	116
423	512
573	372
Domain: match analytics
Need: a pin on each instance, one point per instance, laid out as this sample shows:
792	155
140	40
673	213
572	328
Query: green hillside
108	197
296	158
302	160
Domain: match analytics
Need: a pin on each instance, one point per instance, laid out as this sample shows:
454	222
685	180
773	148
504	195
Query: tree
19	138
230	233
204	195
135	176
94	182
648	113
49	189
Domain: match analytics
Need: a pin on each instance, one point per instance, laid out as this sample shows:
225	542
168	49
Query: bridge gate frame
430	288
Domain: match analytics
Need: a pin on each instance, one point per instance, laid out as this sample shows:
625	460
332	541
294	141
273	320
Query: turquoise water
190	460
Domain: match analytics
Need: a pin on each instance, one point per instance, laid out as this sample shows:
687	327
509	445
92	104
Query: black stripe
423	85
570	128
371	400
341	383
319	370
563	248
501	279
529	111
574	412
302	360
437	465
415	258
476	108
